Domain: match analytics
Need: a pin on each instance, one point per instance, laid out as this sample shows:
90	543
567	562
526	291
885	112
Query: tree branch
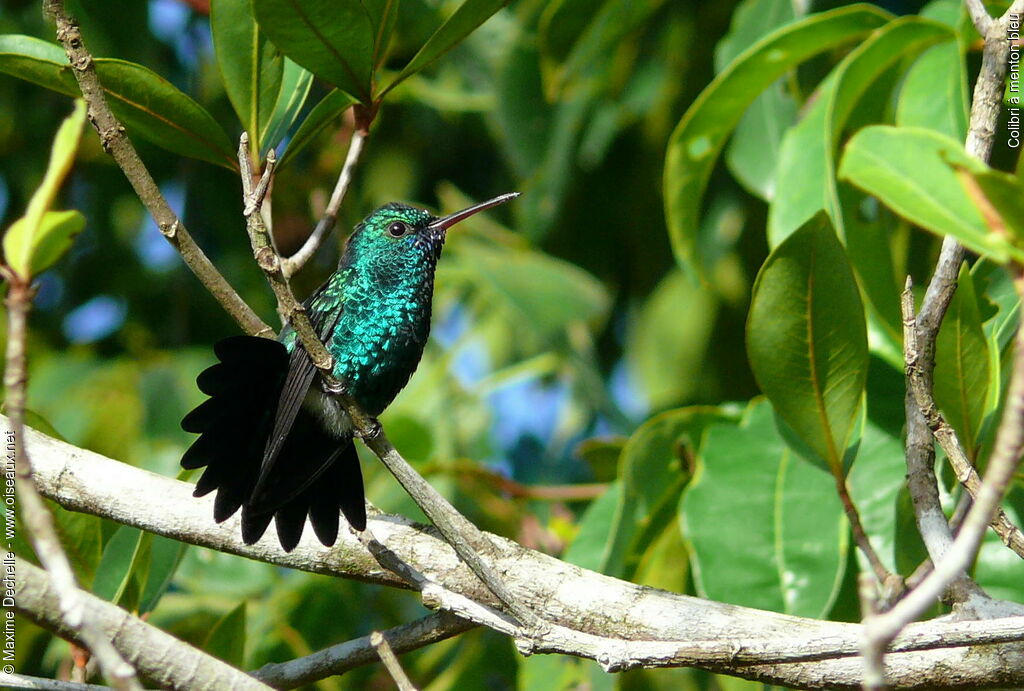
41	531
343	657
946	436
116	143
159	656
1001	467
594	615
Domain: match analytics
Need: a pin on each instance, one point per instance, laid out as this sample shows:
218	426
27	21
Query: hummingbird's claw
373	429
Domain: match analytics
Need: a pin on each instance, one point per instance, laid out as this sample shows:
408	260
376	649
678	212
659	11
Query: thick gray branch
593	615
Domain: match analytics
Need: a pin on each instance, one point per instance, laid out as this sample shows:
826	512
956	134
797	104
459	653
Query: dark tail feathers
316	475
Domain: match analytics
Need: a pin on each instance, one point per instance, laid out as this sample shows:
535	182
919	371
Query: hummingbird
275	441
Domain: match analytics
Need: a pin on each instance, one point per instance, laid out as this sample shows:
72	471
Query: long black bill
451	219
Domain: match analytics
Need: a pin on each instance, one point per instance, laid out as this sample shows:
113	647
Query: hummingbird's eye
398	229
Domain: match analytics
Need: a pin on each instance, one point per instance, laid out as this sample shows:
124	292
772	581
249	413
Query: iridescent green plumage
273	441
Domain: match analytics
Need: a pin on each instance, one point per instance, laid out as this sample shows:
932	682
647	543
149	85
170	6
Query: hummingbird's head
400	234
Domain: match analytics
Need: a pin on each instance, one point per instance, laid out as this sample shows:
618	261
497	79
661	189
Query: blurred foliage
571	344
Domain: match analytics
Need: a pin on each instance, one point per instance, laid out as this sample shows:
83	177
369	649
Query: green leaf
807	340
227	638
40	237
469	15
294	89
53	237
250	65
333	39
121	573
547	292
166	556
910	171
323	114
700	135
999	197
962	362
806	163
665	354
875	481
754	147
765	529
588	548
145	102
653	473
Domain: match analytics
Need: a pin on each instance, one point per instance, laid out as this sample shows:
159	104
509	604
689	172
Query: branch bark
595	616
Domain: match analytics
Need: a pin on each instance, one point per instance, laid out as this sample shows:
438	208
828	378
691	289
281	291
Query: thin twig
1001	467
387	656
34	513
920	453
979	15
338	659
942	431
466	539
119	146
874	669
887	579
291	265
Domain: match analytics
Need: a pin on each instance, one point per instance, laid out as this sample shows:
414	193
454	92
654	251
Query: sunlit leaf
323	114
250	64
962	364
700	135
766	530
145	102
40	237
807	341
333	39
911	171
807	161
469	15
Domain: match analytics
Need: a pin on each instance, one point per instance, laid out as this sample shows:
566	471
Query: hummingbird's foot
373	428
332	386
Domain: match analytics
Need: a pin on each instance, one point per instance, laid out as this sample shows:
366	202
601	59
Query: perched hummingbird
274	442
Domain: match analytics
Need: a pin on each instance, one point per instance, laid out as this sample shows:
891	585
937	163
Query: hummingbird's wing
301	373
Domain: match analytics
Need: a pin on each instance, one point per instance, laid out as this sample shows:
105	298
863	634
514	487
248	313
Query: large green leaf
250	65
934	92
40	237
911	171
1000	199
962	362
754	147
469	15
806	163
333	39
700	135
766	530
807	341
145	102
